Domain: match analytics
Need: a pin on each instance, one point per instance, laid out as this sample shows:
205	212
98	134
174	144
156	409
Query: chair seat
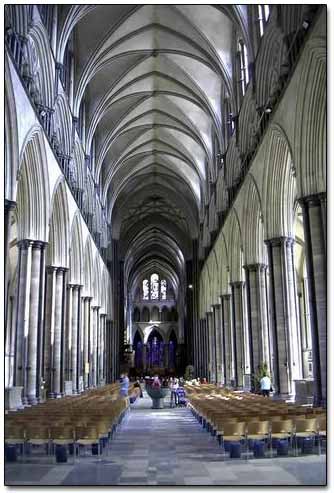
280	435
13	441
257	437
232	438
305	434
38	441
87	441
62	441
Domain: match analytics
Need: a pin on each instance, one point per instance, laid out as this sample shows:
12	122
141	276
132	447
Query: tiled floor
168	447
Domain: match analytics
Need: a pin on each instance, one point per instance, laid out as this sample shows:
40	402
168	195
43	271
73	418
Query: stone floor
168	447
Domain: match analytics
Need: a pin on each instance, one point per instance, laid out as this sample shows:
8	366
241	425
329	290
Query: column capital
226	296
216	306
279	241
62	270
237	284
74	286
312	200
39	245
50	269
255	267
9	205
24	244
87	298
96	307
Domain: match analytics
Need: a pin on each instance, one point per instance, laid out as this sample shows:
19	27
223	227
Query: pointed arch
58	246
76	251
33	189
279	185
252	223
11	146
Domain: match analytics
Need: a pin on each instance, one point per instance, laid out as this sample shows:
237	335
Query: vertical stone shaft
219	343
74	343
228	342
237	301
314	219
33	323
23	306
56	387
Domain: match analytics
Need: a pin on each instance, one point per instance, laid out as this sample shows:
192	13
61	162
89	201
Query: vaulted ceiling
153	78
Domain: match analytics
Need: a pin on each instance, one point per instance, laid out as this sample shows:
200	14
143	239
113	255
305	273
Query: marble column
228	340
314	220
75	336
257	315
57	335
237	318
32	353
286	350
219	343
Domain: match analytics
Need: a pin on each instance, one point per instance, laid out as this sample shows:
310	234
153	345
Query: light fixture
268	109
190	286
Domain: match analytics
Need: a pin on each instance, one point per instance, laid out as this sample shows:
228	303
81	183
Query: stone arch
310	148
11	146
33	189
278	187
63	125
58	246
88	267
252	223
234	246
38	46
145	314
76	251
155	314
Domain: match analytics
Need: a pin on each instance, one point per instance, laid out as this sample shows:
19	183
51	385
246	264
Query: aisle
168	447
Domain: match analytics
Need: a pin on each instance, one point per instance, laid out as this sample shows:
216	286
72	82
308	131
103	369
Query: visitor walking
265	384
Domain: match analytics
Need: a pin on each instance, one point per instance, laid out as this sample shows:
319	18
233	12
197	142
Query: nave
168	447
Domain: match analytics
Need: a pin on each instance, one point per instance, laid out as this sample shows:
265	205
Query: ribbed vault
150	81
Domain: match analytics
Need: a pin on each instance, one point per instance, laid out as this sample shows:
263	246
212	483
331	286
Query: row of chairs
73	423
248	418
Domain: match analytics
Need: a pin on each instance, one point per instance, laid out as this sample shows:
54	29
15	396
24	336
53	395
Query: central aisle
168	447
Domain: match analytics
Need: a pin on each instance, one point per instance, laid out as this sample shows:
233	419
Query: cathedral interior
165	209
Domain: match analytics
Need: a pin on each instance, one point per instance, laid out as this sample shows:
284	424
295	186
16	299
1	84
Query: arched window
146	290
243	62
163	289
264	12
154	287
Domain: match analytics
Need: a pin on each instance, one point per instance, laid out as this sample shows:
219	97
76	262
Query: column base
13	398
32	400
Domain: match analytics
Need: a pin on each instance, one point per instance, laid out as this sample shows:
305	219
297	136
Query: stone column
86	348
284	316
9	211
50	299
32	354
212	357
57	336
101	349
95	314
228	341
22	316
219	343
75	336
257	315
314	219
237	317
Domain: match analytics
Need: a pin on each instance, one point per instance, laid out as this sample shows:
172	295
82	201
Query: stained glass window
154	287
146	290
163	289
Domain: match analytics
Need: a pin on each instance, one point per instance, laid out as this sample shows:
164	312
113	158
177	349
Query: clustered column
219	343
257	313
237	318
314	219
228	340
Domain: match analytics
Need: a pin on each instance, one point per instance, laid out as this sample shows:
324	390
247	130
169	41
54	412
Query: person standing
124	390
265	384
